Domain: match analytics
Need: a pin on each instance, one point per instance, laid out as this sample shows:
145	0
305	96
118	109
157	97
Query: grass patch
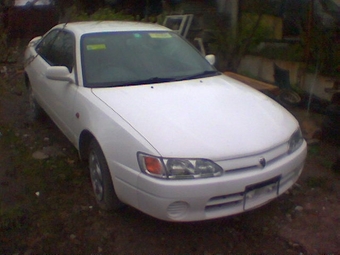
327	163
313	150
41	197
11	217
316	182
50	186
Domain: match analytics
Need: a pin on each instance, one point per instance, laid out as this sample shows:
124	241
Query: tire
101	179
289	97
35	111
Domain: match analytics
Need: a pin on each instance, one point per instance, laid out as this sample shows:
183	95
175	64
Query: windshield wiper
202	75
149	81
154	80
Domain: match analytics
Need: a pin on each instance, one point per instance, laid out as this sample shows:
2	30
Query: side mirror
211	59
59	73
35	40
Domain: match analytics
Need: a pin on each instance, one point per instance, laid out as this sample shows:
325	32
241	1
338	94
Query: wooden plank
259	85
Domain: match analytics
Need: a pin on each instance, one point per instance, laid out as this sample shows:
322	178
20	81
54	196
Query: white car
162	130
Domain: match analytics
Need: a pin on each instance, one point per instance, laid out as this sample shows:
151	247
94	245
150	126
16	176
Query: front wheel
101	179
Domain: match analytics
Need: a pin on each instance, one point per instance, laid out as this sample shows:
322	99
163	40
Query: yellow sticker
96	47
160	35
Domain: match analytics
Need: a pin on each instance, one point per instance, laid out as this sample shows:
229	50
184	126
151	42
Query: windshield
133	58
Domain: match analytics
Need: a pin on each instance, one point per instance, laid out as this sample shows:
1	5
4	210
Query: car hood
216	117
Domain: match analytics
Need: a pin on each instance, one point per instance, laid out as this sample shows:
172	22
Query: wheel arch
27	80
85	139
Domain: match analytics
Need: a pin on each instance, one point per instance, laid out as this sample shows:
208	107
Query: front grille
252	162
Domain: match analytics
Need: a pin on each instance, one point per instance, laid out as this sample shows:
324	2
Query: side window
57	48
45	46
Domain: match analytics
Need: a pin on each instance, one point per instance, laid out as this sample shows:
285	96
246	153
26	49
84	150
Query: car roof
87	27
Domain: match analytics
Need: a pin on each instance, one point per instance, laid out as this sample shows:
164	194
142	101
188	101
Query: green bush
289	52
324	53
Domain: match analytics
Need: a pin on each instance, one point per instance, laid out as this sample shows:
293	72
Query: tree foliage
100	14
231	48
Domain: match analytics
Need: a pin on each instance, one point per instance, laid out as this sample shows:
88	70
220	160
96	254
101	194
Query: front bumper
234	192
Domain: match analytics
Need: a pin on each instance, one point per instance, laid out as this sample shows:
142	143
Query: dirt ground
47	206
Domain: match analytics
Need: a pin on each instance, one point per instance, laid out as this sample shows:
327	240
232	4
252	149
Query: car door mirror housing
59	73
211	59
35	40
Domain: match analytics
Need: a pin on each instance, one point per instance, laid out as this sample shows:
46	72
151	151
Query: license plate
261	193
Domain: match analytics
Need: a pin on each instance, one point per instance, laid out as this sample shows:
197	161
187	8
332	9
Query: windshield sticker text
160	35
96	47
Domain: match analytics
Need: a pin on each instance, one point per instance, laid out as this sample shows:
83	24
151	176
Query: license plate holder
261	193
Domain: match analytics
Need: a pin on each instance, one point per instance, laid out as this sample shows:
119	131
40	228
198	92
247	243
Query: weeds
47	187
11	217
327	163
313	150
57	172
317	182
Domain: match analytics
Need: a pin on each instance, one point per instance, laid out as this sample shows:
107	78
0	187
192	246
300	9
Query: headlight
295	141
178	168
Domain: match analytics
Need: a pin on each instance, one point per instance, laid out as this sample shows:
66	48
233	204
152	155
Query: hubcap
96	176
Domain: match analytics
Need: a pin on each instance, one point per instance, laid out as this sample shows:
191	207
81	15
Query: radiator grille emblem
262	162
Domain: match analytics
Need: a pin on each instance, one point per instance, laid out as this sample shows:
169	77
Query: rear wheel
101	179
35	111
